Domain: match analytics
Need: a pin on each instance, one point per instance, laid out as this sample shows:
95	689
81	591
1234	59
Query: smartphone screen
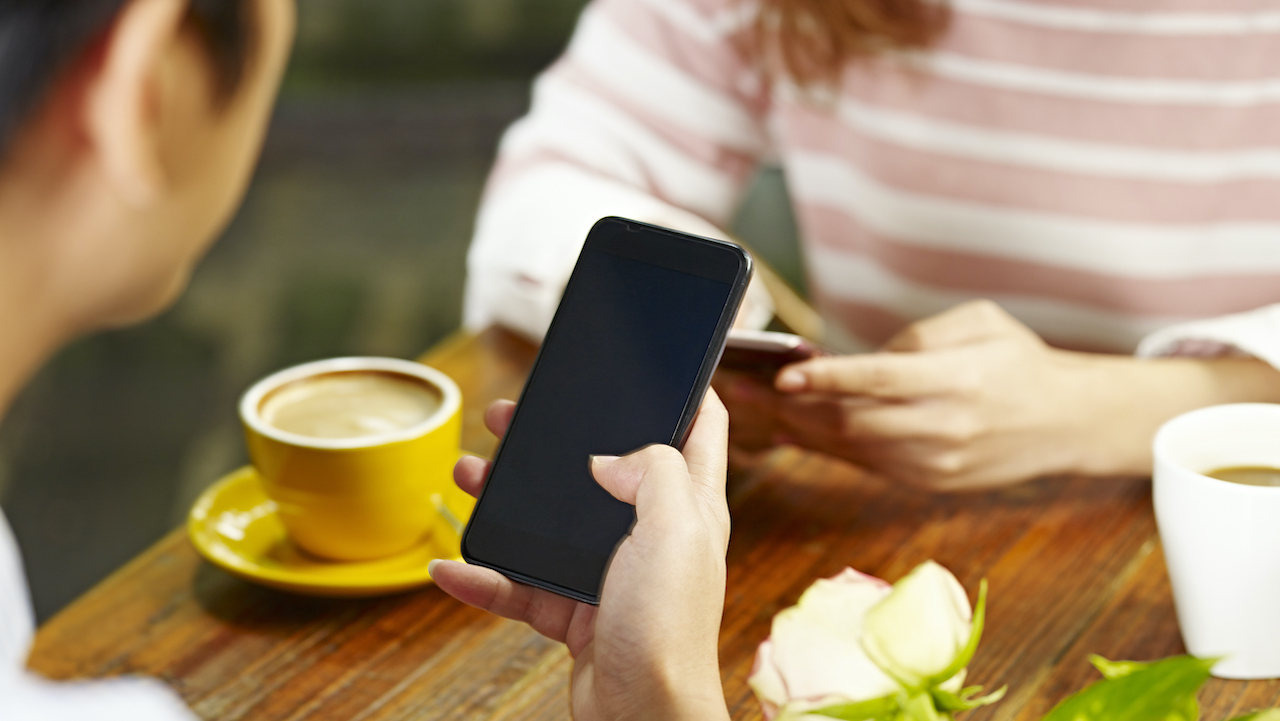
625	364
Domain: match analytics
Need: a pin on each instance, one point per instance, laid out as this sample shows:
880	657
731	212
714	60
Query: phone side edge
557	589
711	360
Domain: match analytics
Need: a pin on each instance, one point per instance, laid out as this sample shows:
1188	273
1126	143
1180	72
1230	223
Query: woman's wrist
1124	401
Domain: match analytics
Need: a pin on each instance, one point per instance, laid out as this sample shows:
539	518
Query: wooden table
1074	568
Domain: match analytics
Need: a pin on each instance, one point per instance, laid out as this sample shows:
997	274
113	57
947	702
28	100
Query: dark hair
40	38
812	40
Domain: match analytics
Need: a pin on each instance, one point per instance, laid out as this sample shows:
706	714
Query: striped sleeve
650	114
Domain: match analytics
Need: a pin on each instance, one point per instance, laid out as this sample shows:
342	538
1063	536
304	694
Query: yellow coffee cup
353	451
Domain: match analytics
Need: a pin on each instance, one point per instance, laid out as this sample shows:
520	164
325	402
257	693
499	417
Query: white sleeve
17	622
1253	333
630	122
27	697
527	240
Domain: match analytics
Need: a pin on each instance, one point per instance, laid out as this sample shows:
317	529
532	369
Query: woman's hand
649	651
967	398
972	398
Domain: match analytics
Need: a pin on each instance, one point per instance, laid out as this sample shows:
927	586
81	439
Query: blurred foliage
416	41
318	315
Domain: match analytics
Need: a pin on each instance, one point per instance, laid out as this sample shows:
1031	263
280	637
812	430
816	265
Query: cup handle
438	501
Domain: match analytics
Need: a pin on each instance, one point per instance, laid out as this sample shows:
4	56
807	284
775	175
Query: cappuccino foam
352	404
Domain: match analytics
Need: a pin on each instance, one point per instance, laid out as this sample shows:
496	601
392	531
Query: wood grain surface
1074	568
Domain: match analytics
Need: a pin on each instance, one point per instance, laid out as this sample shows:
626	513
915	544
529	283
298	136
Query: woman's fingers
881	375
926	449
473	585
547	613
498	416
864	419
469	474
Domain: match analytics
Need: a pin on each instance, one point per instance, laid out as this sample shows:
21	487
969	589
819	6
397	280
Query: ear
121	118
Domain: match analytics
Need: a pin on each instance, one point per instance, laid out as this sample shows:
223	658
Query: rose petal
766	682
920	627
815	644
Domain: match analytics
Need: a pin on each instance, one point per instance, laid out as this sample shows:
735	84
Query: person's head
128	131
811	41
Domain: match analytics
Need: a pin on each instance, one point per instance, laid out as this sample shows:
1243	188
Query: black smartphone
763	353
625	364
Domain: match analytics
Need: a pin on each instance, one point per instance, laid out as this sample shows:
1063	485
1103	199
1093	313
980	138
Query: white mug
1222	540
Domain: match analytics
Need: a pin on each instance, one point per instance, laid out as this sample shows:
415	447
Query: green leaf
1163	691
963	658
1268	715
919	707
876	709
965	700
1116	669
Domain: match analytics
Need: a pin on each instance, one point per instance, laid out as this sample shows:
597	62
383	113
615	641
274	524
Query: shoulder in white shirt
27	697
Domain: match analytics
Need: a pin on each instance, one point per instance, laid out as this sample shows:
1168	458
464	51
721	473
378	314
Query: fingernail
432	565
791	380
604	459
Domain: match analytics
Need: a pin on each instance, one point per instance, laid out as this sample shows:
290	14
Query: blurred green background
351	241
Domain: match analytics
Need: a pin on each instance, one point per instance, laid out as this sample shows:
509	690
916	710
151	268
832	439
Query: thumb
653	478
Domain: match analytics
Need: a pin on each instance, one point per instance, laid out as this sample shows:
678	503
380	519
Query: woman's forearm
1132	397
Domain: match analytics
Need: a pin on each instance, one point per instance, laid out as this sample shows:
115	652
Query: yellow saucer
233	524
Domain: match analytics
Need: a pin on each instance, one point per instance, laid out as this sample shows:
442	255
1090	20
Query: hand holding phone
662	600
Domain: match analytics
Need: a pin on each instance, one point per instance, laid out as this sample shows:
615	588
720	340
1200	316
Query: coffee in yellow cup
353	451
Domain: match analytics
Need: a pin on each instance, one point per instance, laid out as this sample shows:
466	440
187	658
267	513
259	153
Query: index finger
498	416
547	613
883	375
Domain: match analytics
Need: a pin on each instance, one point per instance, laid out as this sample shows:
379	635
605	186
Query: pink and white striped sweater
1102	169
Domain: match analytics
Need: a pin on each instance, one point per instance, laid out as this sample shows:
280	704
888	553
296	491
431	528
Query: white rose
920	628
814	656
